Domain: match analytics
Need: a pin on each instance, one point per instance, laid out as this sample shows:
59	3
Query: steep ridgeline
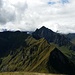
53	37
37	56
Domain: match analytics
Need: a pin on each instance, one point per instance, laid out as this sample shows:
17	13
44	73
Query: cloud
6	13
1	3
20	7
6	16
32	14
11	12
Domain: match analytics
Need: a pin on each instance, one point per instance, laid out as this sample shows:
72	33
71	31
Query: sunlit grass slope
32	57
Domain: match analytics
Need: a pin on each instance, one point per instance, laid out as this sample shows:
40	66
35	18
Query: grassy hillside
37	56
28	58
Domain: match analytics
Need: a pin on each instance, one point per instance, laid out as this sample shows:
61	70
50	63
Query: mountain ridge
52	37
44	53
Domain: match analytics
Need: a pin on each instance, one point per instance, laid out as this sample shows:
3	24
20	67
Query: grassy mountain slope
27	58
37	56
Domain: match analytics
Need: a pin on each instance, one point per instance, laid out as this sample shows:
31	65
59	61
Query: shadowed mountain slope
10	41
71	36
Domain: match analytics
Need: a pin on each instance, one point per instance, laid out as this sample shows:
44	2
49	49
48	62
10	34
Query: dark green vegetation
44	51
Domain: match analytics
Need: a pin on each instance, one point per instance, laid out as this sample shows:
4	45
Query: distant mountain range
40	51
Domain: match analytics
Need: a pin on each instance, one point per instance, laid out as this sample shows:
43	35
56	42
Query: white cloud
32	14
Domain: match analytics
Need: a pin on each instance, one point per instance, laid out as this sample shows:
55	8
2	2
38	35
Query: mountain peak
50	36
43	32
43	27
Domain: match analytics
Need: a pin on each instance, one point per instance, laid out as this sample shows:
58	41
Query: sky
27	15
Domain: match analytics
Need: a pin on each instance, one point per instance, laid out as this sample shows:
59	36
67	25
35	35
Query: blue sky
64	1
31	14
60	1
51	3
